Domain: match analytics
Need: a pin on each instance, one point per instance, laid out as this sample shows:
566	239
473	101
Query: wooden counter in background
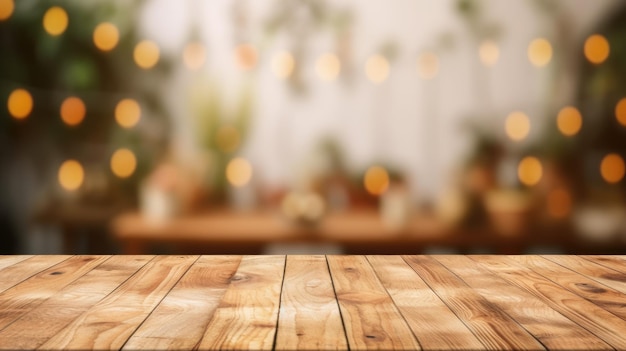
355	231
313	302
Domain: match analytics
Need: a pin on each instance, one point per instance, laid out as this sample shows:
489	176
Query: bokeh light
6	9
123	163
146	54
377	68
559	203
246	56
427	65
73	111
127	113
106	36
569	121
489	52
620	112
517	126
194	56
71	175
540	52
228	139
238	172
376	180
530	171
55	21
283	64
612	168
328	67
20	103
597	49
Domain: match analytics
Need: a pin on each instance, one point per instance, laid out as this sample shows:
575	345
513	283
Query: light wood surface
317	302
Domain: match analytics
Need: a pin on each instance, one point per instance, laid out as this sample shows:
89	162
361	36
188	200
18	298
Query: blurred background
311	126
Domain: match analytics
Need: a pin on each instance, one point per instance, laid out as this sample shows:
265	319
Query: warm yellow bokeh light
427	65
620	112
517	126
612	168
328	67
238	172
106	36
73	111
246	56
530	171
376	180
283	64
71	175
55	21
540	52
489	53
228	139
377	68
146	54
194	56
597	49
123	163
20	104
6	9
127	113
559	203
569	121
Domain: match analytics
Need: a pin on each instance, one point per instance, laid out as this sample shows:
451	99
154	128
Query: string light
283	64
427	65
71	175
328	67
612	168
194	56
55	21
123	163
106	36
377	68
20	103
540	52
73	111
6	9
146	54
127	113
238	172
246	56
517	126
489	52
620	112
597	49
569	121
530	171
376	180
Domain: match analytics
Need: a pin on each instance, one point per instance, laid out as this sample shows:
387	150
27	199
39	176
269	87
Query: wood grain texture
23	270
590	269
309	316
552	329
180	320
617	263
595	319
494	328
43	322
6	261
32	292
246	317
371	319
109	323
433	323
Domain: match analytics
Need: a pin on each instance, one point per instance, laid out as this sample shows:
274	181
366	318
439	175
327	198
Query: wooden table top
313	302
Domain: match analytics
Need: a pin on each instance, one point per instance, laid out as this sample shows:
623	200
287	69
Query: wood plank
610	328
617	263
433	323
602	295
27	295
109	323
9	260
23	270
180	320
40	324
309	317
597	272
551	328
370	317
494	328
246	317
